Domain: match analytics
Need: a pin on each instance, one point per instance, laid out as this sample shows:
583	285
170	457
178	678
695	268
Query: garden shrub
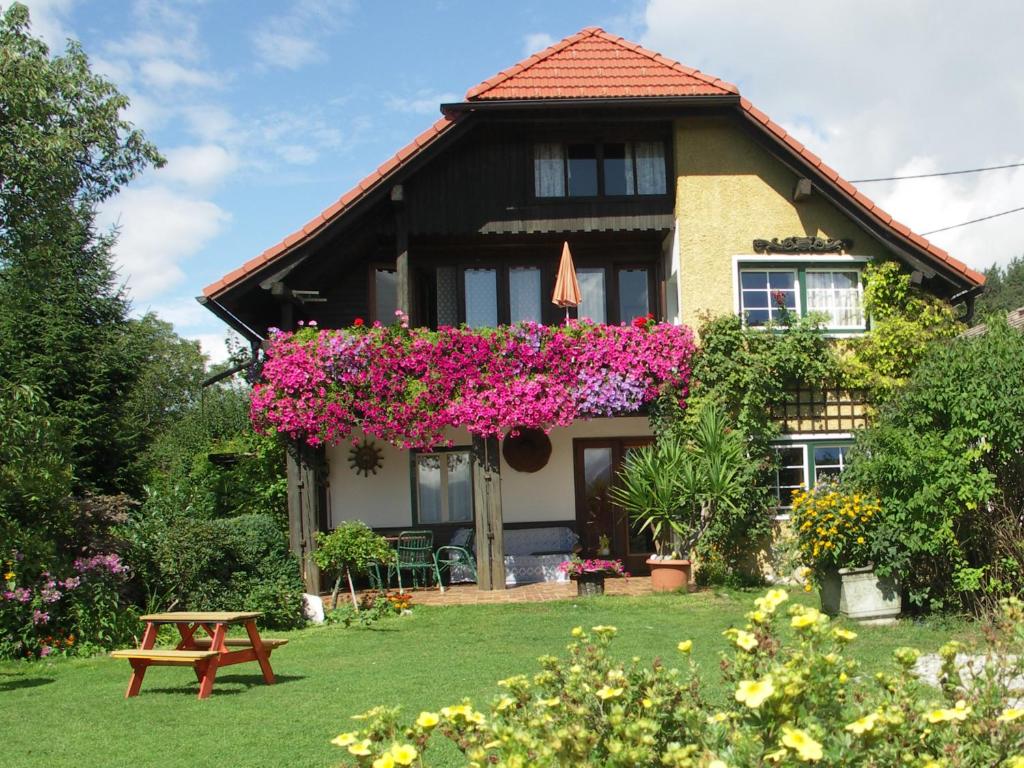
944	457
796	700
834	529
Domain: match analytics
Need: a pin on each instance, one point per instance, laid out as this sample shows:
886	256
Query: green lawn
72	712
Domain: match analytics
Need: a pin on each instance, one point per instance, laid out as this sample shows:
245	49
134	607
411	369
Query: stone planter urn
591	583
857	593
669	575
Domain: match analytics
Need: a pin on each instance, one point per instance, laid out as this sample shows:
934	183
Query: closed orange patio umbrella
567	287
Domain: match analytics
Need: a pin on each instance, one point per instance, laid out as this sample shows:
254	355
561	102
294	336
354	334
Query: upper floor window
591	169
385	294
836	293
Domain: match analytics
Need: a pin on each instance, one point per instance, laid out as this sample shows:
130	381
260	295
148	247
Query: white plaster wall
384	500
550	494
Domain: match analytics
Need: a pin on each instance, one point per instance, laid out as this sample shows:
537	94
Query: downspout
968	295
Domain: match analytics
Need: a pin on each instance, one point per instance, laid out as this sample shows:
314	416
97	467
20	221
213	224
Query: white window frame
741	261
808	442
783	512
445	512
860	293
826	444
798	309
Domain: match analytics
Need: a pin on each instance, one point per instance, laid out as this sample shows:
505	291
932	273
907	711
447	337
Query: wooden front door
597	462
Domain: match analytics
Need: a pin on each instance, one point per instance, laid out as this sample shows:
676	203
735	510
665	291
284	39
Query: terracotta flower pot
669	575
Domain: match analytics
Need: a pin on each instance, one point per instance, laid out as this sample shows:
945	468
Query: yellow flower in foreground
865	724
404	754
360	748
577	632
959	712
807	748
1014	762
1010	714
777	755
554	701
745	640
604	693
717	764
384	761
806	618
427	719
754	692
9	576
843	634
685	646
344	739
505	703
605	629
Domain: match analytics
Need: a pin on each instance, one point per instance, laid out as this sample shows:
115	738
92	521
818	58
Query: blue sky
268	112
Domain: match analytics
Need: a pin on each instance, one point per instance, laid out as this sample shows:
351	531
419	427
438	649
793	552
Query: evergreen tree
1004	289
64	327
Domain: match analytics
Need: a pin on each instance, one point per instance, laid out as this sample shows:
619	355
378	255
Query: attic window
592	169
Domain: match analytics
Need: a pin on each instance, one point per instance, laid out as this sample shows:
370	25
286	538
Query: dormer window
595	169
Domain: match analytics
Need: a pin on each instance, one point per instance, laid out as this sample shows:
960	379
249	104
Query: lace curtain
592	303
549	170
650	167
524	294
838	295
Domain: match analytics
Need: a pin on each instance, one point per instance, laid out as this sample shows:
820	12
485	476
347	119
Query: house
677	197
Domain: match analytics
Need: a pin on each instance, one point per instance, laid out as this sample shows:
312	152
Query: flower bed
798	702
409	385
575	567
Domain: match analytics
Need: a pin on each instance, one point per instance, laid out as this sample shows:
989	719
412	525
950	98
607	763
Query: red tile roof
593	64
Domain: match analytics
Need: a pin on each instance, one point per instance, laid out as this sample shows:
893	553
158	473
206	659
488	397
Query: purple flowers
576	567
40	617
409	386
110	563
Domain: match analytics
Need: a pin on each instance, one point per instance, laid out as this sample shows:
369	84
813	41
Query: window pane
592	303
385	294
781	281
761	292
524	294
650	167
428	487
633	295
618	169
829	461
548	170
481	298
582	170
460	487
837	295
790	476
447	297
754	280
755	299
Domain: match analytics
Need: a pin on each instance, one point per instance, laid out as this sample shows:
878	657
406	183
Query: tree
65	148
1004	289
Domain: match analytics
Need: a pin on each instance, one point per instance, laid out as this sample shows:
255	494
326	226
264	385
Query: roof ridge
660	58
529	61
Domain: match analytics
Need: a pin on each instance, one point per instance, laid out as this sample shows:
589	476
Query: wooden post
306	468
490	543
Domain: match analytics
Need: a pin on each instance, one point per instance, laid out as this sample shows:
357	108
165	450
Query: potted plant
677	487
589	575
351	548
835	531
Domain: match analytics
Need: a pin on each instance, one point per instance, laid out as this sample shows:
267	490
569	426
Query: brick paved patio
469	594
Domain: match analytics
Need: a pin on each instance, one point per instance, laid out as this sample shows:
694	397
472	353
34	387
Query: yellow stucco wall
731	191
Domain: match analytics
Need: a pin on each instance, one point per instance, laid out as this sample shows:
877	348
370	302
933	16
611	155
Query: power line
974	221
943	173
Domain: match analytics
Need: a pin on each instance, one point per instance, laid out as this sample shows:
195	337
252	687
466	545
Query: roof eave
698	100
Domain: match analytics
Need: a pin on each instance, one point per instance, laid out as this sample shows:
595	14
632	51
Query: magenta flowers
408	386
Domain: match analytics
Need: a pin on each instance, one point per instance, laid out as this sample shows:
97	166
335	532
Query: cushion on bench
531	554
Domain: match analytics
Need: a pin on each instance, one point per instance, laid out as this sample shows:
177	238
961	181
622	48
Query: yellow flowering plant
796	701
834	529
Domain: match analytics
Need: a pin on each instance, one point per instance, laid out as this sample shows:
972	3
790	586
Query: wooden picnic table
205	654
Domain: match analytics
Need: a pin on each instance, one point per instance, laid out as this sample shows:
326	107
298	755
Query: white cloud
198	166
159	229
210	122
535	42
167	74
284	50
213	345
423	103
296	154
941	82
295	38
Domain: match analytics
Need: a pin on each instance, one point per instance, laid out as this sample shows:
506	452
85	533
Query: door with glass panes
597	463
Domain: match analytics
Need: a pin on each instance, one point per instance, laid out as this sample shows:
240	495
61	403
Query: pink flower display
409	385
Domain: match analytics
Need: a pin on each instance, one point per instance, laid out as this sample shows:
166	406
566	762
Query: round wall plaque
528	451
366	458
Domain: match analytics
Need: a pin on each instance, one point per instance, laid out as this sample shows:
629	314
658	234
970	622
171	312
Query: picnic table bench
204	654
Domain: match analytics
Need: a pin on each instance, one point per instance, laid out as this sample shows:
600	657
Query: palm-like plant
677	487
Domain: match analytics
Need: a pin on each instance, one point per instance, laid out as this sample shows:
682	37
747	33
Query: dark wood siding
485	185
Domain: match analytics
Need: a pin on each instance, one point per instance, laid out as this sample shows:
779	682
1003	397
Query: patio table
205	654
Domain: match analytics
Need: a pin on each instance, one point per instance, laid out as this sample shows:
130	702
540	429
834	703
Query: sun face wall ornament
366	458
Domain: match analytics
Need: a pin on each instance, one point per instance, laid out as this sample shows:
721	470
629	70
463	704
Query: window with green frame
835	290
804	465
442	486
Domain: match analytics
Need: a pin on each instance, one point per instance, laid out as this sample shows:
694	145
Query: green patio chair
415	552
456	561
